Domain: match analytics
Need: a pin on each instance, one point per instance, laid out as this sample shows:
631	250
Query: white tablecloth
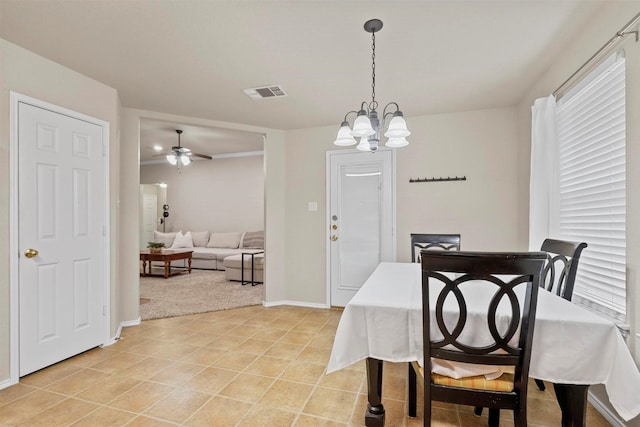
570	344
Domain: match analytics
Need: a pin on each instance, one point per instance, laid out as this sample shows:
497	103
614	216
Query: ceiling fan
180	155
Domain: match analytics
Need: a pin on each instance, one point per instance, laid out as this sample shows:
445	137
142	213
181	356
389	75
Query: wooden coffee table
166	256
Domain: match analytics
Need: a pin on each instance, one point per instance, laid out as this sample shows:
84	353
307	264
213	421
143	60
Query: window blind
592	201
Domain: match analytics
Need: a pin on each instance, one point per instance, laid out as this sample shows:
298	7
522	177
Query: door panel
361	219
149	218
61	193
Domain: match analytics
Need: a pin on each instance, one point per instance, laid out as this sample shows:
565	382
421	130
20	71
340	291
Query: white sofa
211	248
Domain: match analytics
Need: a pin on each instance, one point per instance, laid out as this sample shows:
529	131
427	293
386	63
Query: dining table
572	348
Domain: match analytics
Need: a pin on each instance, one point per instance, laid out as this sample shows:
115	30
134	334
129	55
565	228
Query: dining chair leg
412	391
494	417
540	385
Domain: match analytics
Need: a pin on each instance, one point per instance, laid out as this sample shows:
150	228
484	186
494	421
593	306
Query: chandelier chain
374	104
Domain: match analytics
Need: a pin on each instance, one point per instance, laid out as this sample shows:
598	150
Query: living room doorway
220	196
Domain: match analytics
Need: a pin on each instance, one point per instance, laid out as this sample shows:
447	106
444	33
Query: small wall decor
434	179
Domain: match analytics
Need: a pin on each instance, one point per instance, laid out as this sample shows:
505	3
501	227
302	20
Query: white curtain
544	171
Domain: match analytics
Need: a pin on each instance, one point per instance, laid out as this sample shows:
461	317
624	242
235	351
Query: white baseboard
294	303
6	383
130	323
119	331
604	410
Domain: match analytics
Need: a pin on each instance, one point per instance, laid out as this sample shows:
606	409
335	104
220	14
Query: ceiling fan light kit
367	126
181	156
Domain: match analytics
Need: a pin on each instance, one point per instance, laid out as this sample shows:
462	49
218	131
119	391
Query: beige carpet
197	292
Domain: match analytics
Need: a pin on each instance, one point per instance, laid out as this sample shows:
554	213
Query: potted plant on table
155	247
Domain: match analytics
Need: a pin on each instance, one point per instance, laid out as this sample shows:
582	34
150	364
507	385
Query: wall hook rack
434	179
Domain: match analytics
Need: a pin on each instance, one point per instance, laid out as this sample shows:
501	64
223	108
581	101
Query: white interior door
61	236
149	218
361	213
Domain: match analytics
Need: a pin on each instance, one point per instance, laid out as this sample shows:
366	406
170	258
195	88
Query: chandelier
367	126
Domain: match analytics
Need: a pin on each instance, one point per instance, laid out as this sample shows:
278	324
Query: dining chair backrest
560	271
506	328
443	242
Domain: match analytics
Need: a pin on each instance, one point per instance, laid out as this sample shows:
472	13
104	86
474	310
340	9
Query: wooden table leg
167	266
374	417
572	399
144	267
189	265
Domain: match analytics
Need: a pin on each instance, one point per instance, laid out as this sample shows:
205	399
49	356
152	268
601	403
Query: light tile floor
252	366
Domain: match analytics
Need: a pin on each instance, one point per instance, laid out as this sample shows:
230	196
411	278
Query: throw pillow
182	240
253	239
200	238
166	238
224	240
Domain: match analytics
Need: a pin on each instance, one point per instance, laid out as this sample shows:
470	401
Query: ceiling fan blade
203	156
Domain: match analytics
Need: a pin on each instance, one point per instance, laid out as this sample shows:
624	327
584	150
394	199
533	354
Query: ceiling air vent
272	91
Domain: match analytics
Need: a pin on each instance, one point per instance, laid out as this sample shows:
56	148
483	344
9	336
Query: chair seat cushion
479	382
502	383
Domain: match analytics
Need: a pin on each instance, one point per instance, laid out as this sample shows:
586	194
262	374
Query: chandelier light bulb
364	144
171	158
345	139
397	128
362	126
397	142
185	160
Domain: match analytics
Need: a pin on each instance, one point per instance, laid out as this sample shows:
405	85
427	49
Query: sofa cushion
253	239
200	238
166	238
222	253
205	253
224	240
235	261
182	240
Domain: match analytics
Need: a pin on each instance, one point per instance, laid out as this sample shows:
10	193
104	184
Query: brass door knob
334	238
30	253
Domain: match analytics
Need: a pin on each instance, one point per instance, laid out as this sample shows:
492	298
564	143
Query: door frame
14	222
394	217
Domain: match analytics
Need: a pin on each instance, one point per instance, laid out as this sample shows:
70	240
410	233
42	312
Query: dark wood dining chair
560	270
506	345
562	265
445	242
559	275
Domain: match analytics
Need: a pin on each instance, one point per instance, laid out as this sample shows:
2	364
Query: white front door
61	236
361	219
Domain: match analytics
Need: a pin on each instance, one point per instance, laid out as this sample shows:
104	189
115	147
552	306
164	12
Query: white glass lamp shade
185	160
362	126
171	158
397	142
344	138
364	144
397	128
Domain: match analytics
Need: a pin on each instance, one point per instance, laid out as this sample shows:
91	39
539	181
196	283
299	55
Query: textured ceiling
193	58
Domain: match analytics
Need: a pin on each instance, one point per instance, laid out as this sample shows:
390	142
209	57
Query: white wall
218	195
609	22
480	145
32	75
